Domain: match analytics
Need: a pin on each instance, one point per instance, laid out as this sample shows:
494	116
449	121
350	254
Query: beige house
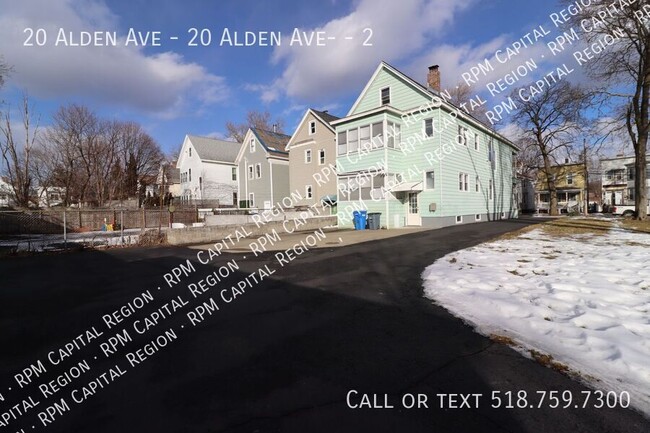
312	148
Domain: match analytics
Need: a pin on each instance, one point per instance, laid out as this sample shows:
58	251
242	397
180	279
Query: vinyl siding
301	173
281	182
441	153
260	187
403	96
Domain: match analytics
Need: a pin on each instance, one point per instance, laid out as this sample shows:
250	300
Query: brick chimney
433	78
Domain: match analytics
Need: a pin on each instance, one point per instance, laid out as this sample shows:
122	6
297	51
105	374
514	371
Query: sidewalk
334	238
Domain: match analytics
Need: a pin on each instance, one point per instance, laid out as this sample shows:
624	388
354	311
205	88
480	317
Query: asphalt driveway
284	355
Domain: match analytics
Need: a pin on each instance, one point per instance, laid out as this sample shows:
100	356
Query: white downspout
386	193
271	178
246	180
440	150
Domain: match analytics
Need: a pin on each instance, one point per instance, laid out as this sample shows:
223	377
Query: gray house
312	149
263	169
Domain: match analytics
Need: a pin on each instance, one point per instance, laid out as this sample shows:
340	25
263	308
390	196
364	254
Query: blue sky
174	89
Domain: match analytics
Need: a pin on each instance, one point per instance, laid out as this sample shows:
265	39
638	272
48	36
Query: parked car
624	210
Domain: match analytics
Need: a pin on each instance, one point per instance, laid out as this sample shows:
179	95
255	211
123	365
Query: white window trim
477	142
233	173
477	187
459	219
312	123
465	185
424	128
462	134
490	190
308	157
319	157
251	199
381	102
251	146
260	172
477	217
346	143
251	172
309	191
427	177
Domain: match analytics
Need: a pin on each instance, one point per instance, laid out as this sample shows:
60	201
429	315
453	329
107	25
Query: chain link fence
87	220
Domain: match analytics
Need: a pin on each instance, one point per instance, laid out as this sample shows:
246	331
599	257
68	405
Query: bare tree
17	153
59	152
551	123
624	62
77	130
461	96
104	157
133	140
5	69
140	157
254	119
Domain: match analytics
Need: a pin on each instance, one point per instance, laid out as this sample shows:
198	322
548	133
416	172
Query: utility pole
586	176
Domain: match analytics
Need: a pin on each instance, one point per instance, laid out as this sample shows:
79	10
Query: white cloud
398	30
160	83
511	131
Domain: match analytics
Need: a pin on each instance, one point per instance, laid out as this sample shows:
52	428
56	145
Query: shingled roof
273	142
325	116
211	149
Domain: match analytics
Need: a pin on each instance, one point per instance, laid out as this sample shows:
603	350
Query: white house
615	175
208	172
6	193
50	196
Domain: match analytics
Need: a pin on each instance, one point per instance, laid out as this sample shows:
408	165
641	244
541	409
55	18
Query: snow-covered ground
583	299
38	243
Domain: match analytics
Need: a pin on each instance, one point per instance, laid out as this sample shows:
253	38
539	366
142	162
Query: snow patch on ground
583	299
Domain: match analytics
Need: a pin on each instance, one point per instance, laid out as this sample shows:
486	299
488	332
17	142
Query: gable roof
384	65
325	118
427	92
272	142
211	149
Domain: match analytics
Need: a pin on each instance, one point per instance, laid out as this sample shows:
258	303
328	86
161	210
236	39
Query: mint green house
405	152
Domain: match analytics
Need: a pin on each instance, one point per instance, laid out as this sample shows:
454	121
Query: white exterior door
413	210
618	197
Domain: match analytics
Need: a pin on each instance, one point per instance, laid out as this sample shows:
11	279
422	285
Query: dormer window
385	96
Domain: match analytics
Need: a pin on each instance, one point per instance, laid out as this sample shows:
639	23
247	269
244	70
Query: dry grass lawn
566	227
641	226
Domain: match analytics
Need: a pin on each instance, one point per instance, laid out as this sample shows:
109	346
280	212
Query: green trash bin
374	221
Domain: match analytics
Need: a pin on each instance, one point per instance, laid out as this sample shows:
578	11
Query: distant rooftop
212	149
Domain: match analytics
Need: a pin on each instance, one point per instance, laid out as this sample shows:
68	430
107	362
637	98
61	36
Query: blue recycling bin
359	219
363	218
